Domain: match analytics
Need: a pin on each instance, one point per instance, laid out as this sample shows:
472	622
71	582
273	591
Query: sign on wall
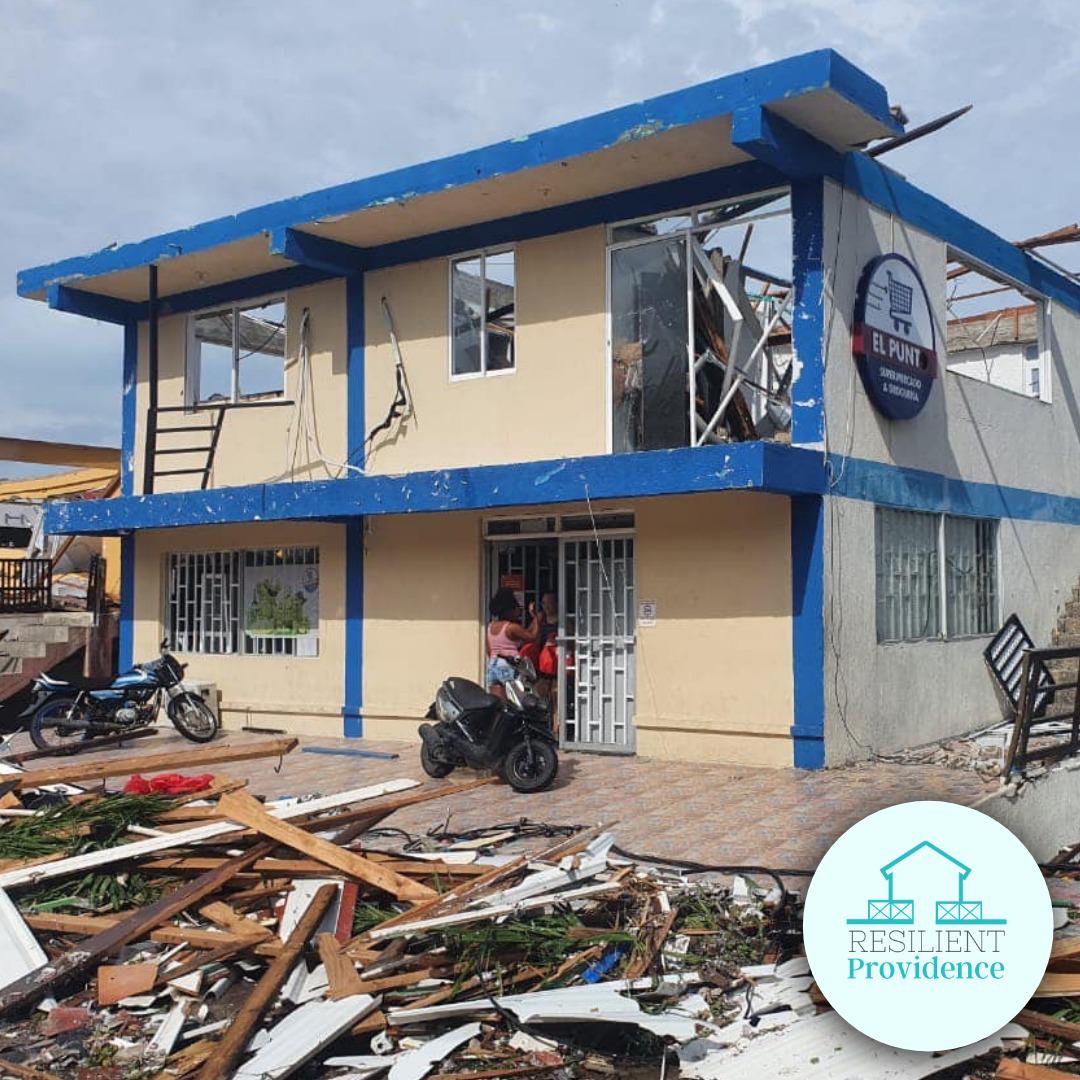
893	337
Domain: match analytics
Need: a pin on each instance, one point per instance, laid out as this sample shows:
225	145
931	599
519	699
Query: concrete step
68	618
10	665
37	632
23	648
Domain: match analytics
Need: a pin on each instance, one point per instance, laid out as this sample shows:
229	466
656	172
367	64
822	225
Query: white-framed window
482	314
258	602
236	352
916	598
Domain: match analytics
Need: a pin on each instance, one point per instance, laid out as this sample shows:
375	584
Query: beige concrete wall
255	443
555	402
714	676
302	694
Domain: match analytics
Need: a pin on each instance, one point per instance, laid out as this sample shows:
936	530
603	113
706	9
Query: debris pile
211	935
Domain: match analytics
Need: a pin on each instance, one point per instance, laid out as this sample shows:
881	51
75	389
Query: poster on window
281	608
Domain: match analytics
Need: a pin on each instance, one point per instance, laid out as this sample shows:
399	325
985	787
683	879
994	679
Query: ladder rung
178	472
183	450
184	430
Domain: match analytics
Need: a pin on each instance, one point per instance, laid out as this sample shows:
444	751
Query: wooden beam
341	972
238	1033
144	763
24	1072
1015	1069
241	807
79	455
23	994
1034	1020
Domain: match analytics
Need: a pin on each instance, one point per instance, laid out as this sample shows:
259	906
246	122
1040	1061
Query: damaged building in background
703	367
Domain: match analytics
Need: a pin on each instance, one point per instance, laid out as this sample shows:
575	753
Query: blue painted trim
773	140
808	325
130	379
915	489
355	335
127	603
782	80
92	305
891	192
352	710
808	630
759	466
317	252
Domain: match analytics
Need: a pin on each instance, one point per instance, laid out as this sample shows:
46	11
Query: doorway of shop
592	578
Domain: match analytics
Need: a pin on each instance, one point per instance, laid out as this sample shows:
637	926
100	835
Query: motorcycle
481	731
67	712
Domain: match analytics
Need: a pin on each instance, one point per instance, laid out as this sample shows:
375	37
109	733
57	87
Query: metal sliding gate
596	632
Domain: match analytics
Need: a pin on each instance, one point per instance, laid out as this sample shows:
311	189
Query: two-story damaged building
684	365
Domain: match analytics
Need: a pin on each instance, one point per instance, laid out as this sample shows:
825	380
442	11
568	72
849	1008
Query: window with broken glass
700	306
915	600
482	314
236	353
994	331
261	602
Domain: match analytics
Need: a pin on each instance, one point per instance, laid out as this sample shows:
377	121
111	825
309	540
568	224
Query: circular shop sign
893	337
928	926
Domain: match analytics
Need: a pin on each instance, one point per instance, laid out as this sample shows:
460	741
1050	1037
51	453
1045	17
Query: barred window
916	599
261	602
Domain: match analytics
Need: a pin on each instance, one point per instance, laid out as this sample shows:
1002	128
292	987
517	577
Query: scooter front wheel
530	766
436	769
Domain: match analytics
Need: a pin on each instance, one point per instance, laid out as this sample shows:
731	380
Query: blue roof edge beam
317	252
780	83
747	466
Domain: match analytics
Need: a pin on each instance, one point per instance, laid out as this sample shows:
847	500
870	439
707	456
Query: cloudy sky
119	120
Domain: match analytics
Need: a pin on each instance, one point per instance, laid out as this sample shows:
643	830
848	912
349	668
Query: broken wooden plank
259	1000
239	806
118	981
139	763
1049	1025
341	973
220	914
52	978
1014	1069
89	925
24	1072
1058	984
24	875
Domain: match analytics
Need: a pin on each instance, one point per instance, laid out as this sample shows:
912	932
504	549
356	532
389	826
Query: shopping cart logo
950	911
893	337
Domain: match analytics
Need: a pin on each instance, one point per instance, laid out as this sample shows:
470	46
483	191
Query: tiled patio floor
709	813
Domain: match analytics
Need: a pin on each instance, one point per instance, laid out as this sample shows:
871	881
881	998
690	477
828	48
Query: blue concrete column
808	629
127	487
808	323
352	708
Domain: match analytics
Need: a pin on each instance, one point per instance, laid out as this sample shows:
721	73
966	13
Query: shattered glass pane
467	308
640	230
649	346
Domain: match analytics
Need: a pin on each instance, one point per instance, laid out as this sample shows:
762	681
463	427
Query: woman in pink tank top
505	636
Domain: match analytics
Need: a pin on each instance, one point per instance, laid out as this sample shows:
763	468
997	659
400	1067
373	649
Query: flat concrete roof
679	134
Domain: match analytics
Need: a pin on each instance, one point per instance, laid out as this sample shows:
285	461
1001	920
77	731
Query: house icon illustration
952	912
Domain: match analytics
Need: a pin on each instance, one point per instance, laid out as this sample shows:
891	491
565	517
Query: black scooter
478	730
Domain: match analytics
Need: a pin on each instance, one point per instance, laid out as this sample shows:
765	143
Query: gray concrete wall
883	697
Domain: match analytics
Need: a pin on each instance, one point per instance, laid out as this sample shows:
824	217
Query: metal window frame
482	254
193	352
687	234
183	606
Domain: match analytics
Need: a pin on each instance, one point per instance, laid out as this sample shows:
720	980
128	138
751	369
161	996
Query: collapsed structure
703	367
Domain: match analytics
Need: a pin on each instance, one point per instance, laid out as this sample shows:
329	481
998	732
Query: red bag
548	664
168	784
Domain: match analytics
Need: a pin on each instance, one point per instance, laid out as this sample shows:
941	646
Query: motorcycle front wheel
192	717
48	729
530	766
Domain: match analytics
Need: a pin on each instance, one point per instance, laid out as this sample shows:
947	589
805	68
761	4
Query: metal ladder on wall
211	449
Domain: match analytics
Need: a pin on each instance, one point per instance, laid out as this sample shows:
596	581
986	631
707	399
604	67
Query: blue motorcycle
67	712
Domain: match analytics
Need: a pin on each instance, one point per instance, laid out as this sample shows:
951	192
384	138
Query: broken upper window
994	331
700	307
482	314
236	353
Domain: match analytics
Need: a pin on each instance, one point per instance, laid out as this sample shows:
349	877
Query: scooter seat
469	695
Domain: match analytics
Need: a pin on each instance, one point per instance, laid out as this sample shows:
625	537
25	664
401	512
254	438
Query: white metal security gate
596	632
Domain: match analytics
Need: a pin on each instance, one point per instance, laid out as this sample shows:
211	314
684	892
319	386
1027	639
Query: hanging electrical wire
401	406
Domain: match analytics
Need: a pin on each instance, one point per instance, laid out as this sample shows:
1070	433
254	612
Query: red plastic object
168	784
